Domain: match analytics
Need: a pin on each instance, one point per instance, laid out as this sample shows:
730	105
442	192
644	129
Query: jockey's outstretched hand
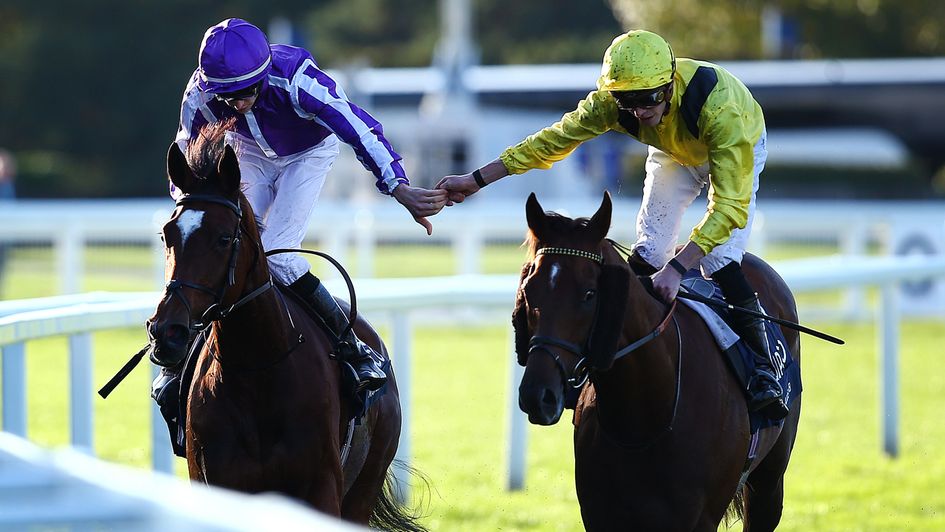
421	202
458	186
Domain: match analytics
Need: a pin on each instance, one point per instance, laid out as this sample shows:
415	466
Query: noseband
581	371
216	311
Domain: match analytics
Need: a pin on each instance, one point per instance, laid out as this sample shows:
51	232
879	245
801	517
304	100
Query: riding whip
691	295
123	372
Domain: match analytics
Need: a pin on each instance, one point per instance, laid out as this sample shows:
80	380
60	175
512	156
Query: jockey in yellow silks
702	126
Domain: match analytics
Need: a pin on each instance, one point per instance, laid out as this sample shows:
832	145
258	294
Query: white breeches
283	192
668	190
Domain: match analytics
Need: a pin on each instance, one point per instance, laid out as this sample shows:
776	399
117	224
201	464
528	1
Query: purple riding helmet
234	55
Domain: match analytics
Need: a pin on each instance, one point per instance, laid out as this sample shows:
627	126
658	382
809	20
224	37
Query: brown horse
265	411
661	435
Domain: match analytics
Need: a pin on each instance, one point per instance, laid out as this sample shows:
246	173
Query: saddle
738	354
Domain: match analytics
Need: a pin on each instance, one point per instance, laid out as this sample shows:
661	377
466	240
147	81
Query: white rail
340	226
67	490
78	316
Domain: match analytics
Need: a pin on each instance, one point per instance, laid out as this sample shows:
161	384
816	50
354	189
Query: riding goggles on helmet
629	100
241	94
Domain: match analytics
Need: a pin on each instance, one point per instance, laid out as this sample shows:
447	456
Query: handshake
452	189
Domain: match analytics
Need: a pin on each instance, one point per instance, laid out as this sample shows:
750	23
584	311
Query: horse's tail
389	513
736	508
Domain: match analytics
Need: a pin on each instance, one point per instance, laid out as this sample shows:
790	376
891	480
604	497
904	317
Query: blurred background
91	91
852	95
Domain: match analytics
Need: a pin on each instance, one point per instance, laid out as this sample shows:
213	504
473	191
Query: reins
581	371
576	379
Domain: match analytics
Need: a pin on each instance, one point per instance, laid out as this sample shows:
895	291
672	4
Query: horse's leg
365	492
765	494
360	500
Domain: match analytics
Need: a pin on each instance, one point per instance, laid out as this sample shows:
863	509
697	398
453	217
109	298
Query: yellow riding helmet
637	60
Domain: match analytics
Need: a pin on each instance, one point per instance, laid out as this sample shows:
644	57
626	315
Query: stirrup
363	359
769	399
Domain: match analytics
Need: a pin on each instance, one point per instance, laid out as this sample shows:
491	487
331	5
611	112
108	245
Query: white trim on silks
194	101
257	134
282	83
207	113
377	151
236	79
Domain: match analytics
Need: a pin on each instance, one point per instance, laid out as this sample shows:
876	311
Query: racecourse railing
853	227
78	316
68	490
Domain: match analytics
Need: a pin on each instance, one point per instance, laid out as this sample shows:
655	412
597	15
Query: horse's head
569	307
211	245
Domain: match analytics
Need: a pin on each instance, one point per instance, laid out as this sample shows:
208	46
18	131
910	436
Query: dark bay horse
265	411
661	435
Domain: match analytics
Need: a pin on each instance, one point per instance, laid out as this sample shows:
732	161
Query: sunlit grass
839	479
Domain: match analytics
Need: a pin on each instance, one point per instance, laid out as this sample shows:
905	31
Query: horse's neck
637	396
259	332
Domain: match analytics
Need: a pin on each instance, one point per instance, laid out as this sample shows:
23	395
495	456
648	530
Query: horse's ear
599	225
613	286
535	215
178	171
520	319
229	171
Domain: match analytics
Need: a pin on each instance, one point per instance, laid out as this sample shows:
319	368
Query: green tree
732	29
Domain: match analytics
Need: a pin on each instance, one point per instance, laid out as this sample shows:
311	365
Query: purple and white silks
299	106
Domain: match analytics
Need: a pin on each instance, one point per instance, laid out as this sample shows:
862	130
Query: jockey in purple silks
289	115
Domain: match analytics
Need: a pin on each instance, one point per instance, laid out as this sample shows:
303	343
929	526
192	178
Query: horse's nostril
548	398
176	335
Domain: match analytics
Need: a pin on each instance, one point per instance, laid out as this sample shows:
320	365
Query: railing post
889	351
518	428
336	245
80	389
467	247
162	457
364	242
157	247
70	262
403	369
14	388
853	243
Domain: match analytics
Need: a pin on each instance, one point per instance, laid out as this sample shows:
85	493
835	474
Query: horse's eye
590	294
224	241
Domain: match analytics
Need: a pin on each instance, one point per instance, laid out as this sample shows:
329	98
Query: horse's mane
205	151
557	224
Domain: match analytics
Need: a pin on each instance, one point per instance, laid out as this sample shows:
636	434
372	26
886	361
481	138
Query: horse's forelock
205	151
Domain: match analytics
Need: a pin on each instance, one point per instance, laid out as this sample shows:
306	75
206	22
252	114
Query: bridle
217	310
580	373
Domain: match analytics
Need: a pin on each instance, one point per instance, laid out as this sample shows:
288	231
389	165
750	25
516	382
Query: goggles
629	100
242	94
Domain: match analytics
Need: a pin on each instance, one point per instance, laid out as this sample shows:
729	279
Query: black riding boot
166	391
365	361
765	394
639	265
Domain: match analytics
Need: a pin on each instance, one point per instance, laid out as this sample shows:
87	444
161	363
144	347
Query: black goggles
241	94
629	100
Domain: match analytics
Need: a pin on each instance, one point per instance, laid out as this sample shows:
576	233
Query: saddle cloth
739	356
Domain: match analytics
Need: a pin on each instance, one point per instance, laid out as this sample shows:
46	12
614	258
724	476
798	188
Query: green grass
839	479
